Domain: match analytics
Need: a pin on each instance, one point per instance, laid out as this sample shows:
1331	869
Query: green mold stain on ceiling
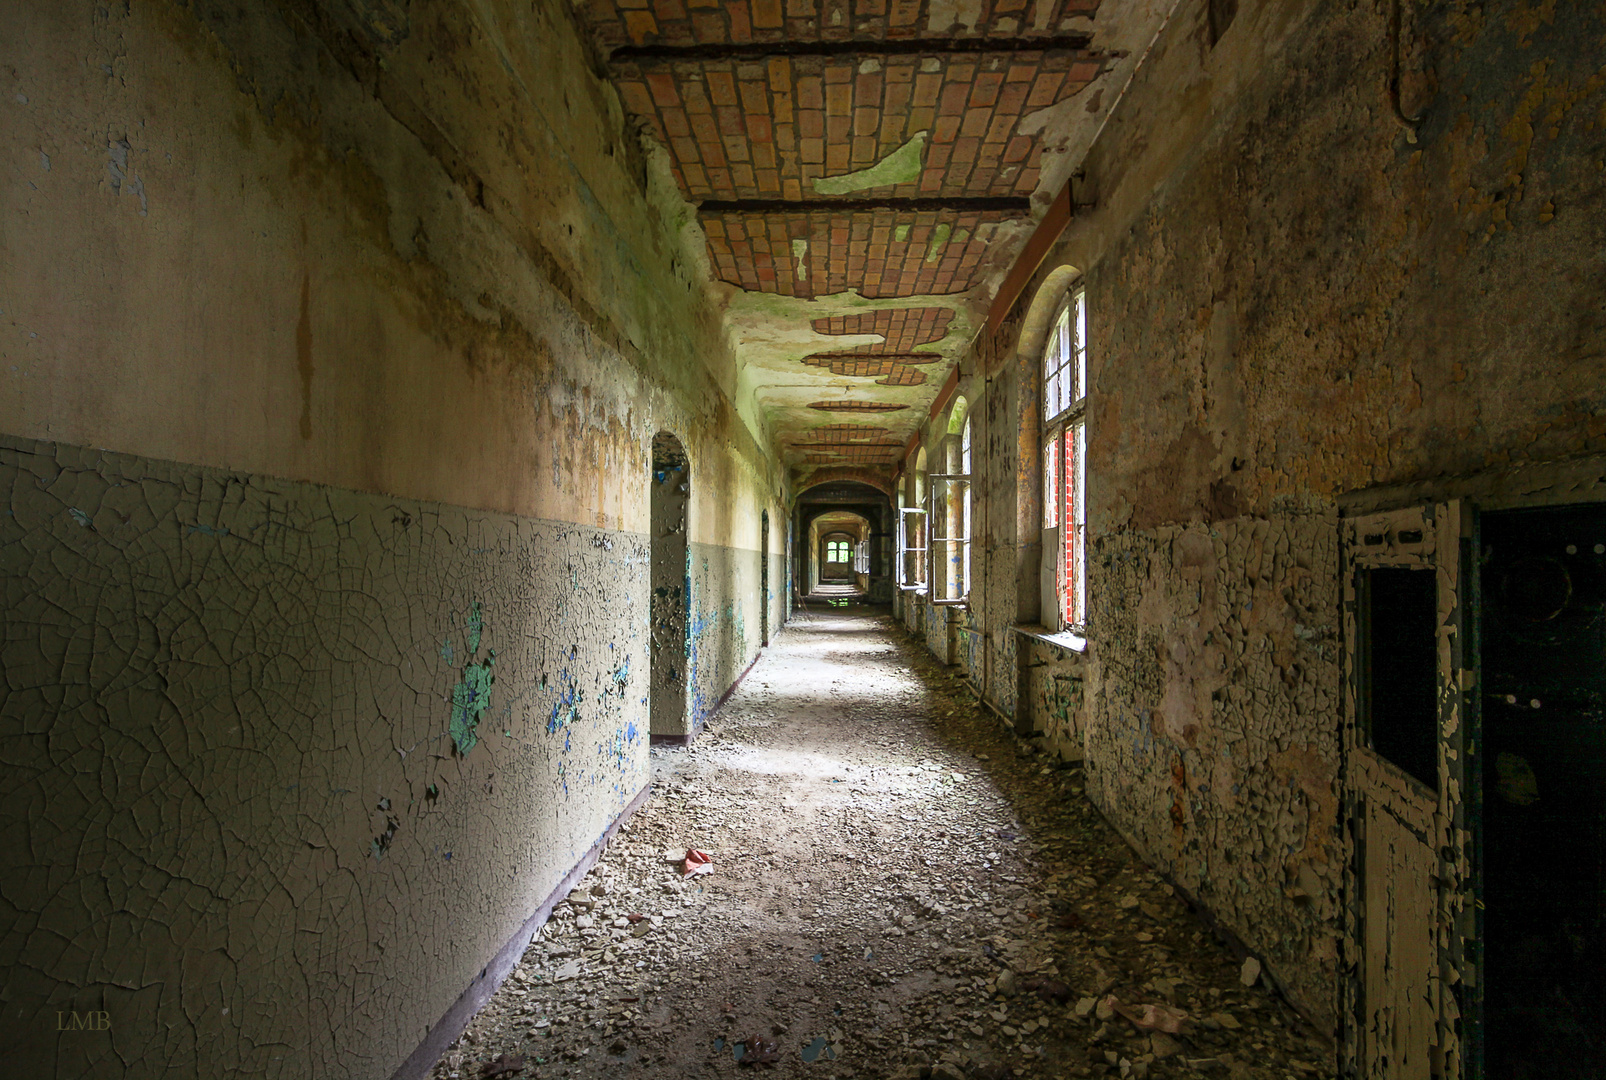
902	166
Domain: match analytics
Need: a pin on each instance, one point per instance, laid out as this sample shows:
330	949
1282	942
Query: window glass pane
1070	514
1080	345
1051	487
964	510
1067	347
1078	480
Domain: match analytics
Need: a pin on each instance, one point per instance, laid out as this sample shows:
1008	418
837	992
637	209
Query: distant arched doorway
670	485
857	508
836	557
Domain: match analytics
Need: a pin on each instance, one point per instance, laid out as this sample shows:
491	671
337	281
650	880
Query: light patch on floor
895	879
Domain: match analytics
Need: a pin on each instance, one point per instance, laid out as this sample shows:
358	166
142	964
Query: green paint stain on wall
939	240
900	234
472	694
902	166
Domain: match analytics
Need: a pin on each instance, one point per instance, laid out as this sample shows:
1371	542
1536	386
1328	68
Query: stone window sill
1066	640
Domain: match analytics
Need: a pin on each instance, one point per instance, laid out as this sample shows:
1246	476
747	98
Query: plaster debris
837	932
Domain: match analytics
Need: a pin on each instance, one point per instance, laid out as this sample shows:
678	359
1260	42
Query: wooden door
1408	692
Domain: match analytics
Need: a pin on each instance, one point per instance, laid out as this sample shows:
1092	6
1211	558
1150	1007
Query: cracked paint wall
234	711
1291	297
332	341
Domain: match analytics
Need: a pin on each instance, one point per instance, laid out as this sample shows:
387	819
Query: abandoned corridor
419	417
898	884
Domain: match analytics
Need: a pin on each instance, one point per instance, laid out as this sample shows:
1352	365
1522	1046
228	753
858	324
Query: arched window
836	551
1064	463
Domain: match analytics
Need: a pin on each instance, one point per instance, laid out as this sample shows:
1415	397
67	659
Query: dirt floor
898	888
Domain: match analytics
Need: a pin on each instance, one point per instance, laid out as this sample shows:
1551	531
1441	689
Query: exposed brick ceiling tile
844	434
857	406
771	128
710	22
904	329
886	371
878	253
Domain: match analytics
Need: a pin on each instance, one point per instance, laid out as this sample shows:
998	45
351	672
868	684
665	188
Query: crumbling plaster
393	209
1292	297
1310	303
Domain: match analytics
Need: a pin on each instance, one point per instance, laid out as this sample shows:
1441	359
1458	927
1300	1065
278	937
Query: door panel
1399	960
1406	708
1400	917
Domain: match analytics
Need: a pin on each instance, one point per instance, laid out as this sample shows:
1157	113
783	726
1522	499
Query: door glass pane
1399	667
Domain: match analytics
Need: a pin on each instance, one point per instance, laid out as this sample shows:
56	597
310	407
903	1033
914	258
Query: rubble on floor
897	888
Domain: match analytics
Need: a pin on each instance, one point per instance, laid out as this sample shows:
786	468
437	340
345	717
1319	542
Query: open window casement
912	547
950	538
861	557
1408	702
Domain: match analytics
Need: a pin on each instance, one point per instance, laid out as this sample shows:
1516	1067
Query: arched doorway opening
670	485
870	513
839	544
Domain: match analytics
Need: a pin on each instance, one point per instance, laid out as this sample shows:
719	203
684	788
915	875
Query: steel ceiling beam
1077	44
1001	205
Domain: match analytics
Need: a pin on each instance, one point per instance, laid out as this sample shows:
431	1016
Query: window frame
1064	399
955	504
913	528
911	557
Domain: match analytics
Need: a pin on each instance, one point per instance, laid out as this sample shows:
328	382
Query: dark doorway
671	585
1543	769
764	576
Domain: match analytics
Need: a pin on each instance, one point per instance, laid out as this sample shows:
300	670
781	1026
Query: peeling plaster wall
1311	304
1212	720
1308	304
332	341
723	635
1290	300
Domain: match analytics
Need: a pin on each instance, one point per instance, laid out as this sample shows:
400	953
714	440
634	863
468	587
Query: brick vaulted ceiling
864	173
